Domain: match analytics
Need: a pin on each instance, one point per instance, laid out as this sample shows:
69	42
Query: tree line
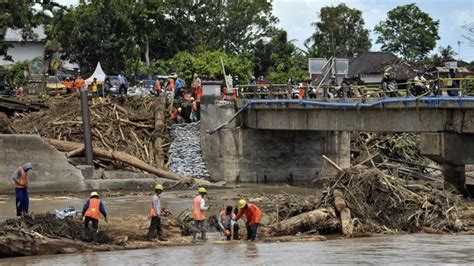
155	36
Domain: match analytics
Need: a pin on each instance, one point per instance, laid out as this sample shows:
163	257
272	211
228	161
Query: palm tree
446	52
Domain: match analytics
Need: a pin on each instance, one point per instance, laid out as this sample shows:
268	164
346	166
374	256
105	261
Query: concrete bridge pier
240	154
452	151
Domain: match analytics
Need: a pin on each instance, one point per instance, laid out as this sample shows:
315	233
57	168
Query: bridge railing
452	86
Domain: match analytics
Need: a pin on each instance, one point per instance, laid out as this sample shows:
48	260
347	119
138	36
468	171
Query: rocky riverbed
185	150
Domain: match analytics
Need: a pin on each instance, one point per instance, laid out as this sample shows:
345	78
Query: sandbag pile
185	151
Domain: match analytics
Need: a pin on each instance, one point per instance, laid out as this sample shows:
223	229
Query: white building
23	50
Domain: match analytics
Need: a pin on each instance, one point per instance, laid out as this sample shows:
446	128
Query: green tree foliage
231	26
124	33
444	53
278	59
342	25
408	31
16	73
101	31
447	52
208	63
17	15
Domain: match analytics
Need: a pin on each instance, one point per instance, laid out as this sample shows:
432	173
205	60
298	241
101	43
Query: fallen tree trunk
67	146
345	213
322	219
339	201
15	243
75	153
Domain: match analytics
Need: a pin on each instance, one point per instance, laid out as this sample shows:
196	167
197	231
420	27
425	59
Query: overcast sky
296	16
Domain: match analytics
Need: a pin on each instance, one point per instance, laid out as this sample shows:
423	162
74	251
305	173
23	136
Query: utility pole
459	50
334	54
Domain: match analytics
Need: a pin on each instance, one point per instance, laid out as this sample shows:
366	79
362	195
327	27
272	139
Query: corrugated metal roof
368	62
446	70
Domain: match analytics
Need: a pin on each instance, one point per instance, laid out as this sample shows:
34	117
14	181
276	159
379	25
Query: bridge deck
427	114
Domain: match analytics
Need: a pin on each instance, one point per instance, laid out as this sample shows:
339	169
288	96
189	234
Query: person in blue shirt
180	85
227	224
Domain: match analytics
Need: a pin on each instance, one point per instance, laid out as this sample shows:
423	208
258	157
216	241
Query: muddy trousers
22	201
155	225
199	226
252	231
95	229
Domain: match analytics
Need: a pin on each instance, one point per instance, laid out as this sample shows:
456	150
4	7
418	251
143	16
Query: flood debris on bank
39	234
128	133
390	188
380	202
133	125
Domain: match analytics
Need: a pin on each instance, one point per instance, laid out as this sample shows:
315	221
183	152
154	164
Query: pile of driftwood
397	153
40	234
133	125
284	205
380	202
47	225
128	132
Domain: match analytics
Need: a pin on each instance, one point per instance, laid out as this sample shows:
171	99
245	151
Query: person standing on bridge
20	182
91	213
199	215
155	215
253	216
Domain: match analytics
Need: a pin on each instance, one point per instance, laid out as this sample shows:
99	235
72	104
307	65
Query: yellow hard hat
202	190
94	194
159	187
242	203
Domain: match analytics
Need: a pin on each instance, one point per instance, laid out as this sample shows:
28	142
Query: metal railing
287	91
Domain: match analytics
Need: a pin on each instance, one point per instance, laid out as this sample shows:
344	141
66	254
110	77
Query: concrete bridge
283	140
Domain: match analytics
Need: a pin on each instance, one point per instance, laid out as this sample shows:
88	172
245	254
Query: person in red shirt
253	216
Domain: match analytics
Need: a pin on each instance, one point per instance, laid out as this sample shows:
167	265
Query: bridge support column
452	151
455	175
238	154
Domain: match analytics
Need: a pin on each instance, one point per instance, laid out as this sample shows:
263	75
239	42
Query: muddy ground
128	221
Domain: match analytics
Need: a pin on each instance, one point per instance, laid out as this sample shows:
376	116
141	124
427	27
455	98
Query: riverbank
400	249
128	222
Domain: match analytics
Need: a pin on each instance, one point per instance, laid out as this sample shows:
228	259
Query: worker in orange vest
78	83
227	223
91	213
69	84
20	182
170	84
157	87
253	216
199	215
155	215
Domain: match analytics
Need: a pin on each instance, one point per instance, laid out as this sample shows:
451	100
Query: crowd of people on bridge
422	84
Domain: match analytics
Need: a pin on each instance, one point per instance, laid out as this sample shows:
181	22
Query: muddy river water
399	249
402	249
